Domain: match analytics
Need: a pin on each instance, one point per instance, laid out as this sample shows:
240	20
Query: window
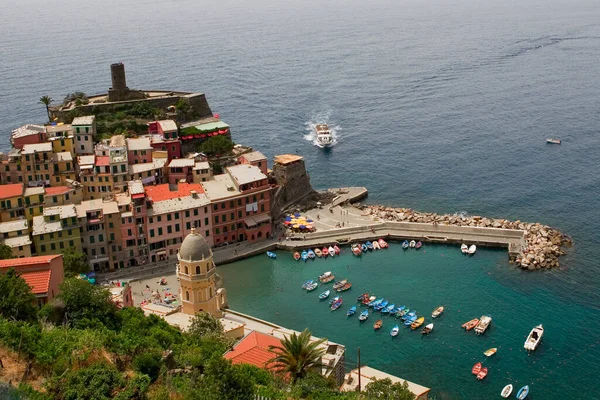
239	214
71	243
206	233
187	294
112	236
169	217
223	206
216	207
262	196
123	168
195	212
92	239
160	231
169	229
51	235
206	221
101	238
176	215
110	224
224	217
151	232
176	227
187	213
231	204
232	216
43	247
188	225
129	232
217	231
262	207
216	219
197	270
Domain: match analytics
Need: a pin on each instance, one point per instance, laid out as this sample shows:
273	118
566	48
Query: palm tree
46	100
297	355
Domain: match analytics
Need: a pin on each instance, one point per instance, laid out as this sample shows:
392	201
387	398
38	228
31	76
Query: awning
138	196
261	218
161	253
250	222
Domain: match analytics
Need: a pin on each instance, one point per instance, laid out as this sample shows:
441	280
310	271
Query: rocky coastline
544	244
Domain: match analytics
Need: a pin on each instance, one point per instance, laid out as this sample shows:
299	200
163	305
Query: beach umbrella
288	218
297	215
287	222
302	227
309	227
295	226
309	220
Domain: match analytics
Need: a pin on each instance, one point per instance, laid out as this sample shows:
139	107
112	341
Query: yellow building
71	193
62	144
196	273
15	234
34	203
64	168
36	160
11	202
57	229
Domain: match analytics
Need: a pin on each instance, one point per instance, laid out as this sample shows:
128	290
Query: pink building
171	146
180	170
139	151
255	158
165	137
28	134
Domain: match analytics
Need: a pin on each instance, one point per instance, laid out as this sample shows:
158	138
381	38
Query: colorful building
255	158
15	234
28	134
56	230
36	164
149	173
139	151
94	217
34	203
84	130
71	193
181	170
64	168
202	172
11	202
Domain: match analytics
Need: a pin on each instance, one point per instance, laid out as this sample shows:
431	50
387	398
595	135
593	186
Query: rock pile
543	243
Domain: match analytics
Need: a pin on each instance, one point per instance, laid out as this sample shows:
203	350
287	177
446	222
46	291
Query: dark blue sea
437	105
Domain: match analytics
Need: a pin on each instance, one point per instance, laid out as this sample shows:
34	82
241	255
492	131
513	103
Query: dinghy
336	298
362	297
337	249
412	244
378	324
296	256
363	247
373	303
388	309
383	244
376	245
419	245
363	315
312	287
304	256
311	254
523	392
410	320
337	304
366	301
347	286
476	368
325	252
534	338
308	282
470	325
340	284
325	275
482	374
553	141
395	330
318	252
332	252
417	323
437	312
472	249
490	352
507	391
270	254
351	311
464	248
381	305
324	295
369	245
405	244
427	330
356	249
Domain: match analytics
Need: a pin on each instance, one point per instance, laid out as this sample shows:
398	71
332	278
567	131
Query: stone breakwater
544	245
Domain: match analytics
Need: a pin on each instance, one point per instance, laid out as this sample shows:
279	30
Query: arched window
187	295
186	271
197	270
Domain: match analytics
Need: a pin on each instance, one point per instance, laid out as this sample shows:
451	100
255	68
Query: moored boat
347	286
368	300
388	309
336	298
339	284
324	295
363	247
523	392
296	256
395	330
408	321
472	249
405	244
412	244
373	303
369	245
325	275
464	248
376	245
356	249
337	249
437	312
304	255
507	391
351	311
553	141
484	323
363	315
490	352
318	252
312	287
308	282
328	279
427	330
378	324
332	252
476	368
482	374
325	252
362	297
270	254
419	245
381	305
337	304
534	338
383	244
471	324
417	323
311	254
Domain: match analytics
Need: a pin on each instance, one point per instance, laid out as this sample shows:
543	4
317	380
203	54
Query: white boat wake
320	118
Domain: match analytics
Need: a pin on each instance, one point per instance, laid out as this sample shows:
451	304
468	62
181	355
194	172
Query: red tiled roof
162	192
11	190
39	281
102	160
27	261
56	190
253	349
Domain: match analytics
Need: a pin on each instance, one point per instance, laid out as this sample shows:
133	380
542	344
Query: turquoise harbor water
441	106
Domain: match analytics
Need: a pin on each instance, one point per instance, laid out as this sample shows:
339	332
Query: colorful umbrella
297	215
295	226
302	227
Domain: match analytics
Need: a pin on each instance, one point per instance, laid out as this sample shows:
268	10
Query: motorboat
337	304
470	325
296	256
312	287
332	252
318	252
376	245
311	254
472	249
412	244
270	254
395	330
356	249
308	282
337	249
507	391
363	315
364	247
367	300
482	374
484	323
417	323
405	244
339	284
373	303
476	368
378	324
351	311
324	295
419	245
437	312
464	248
523	392
304	255
336	298
325	252
381	305
490	352
427	330
553	141
388	309
383	244
369	245
347	286
324	137
534	338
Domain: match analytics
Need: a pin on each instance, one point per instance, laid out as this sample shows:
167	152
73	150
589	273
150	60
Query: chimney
194	194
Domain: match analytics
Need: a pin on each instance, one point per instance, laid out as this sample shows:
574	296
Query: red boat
325	252
482	374
471	324
476	368
356	250
337	249
296	256
382	243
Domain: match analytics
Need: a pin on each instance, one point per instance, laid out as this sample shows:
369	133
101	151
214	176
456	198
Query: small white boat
395	330
534	338
464	248
412	244
484	323
437	312
324	137
325	275
376	245
472	249
427	330
553	141
507	391
331	251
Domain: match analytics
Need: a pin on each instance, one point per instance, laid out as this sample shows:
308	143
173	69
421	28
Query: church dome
194	248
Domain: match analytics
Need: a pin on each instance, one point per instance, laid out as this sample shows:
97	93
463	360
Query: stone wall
294	185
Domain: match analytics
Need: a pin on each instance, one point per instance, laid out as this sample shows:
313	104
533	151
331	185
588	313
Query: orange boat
296	256
482	374
476	368
470	325
377	324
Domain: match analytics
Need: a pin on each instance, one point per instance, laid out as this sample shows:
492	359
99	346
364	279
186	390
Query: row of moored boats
311	254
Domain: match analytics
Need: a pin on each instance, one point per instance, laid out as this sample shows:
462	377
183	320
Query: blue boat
375	302
409	314
307	283
364	247
405	244
351	311
523	392
388	309
410	320
369	245
363	315
304	255
311	254
403	312
271	254
381	305
324	295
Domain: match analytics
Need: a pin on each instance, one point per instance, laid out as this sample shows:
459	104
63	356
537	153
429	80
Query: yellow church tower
196	272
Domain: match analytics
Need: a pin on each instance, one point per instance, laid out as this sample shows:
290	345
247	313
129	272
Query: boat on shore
484	323
476	368
363	316
332	252
318	252
324	295
405	244
464	248
472	249
419	245
351	311
324	137
482	374
337	304
383	244
369	246
356	249
325	252
417	323
553	141
507	391
311	254
490	352
471	324
523	392
427	330
296	256
337	249
376	245
395	330
378	324
437	312
339	284
534	338
412	244
270	254
347	286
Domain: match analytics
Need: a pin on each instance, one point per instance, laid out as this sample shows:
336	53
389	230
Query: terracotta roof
162	192
39	281
102	160
285	159
56	190
253	349
27	261
11	190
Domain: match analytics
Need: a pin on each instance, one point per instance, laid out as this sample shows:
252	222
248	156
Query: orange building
43	274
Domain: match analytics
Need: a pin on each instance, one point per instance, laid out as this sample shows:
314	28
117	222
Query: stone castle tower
119	90
196	272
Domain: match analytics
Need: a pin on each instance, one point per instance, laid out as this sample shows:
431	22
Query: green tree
297	355
46	100
75	262
86	305
216	146
385	389
148	363
17	302
183	108
205	325
98	381
5	252
221	380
